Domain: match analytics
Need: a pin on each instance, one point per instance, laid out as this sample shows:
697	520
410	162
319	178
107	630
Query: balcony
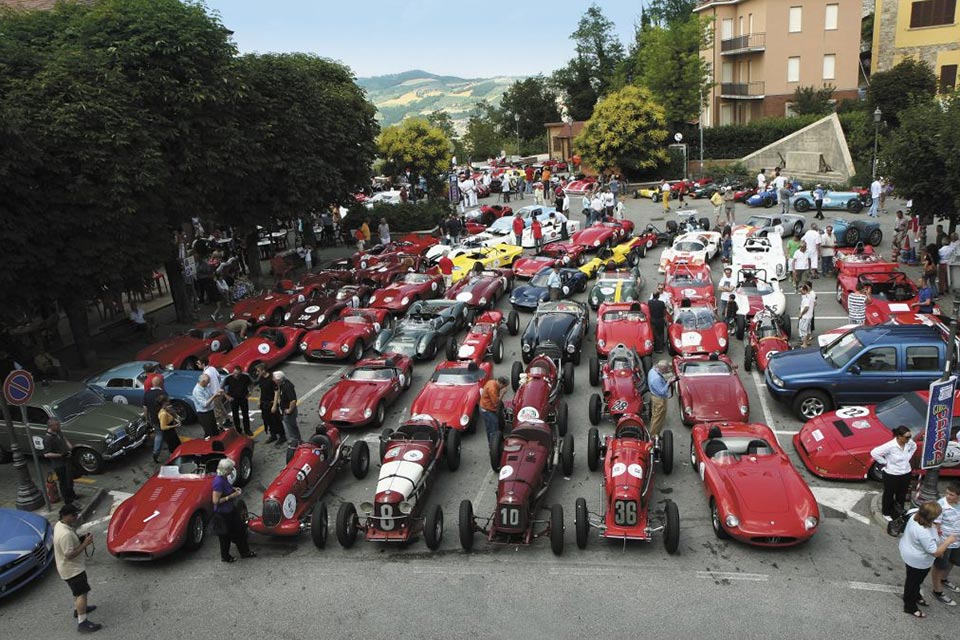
749	43
742	90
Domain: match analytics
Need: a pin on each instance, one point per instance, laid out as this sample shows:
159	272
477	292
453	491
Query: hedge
421	216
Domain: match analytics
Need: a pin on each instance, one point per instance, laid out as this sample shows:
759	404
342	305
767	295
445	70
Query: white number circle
528	413
635	470
392	453
215	345
312	309
119	400
289	505
506	472
852	412
414	455
618	469
263	348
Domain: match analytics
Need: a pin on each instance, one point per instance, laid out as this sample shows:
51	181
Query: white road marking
331	377
721	575
482	490
585	571
842	500
823	293
869	586
761	394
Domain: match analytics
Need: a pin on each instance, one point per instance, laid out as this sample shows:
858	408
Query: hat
69	509
728	268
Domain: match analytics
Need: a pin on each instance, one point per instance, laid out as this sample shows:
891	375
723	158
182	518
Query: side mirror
855	369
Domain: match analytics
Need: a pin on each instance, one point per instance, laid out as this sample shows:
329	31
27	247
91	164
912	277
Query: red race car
756	494
393	252
410	460
488	213
173	507
568	253
529	266
186	350
602	234
484	338
537	396
419	241
626	323
328	278
407	289
452	395
629	458
290	502
361	397
837	445
318	311
481	292
530	455
891	292
690	281
382	275
347	337
581	187
269	308
767	334
710	390
355	295
269	346
623	380
696	329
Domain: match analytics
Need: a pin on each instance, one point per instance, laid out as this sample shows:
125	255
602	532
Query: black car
556	330
423	331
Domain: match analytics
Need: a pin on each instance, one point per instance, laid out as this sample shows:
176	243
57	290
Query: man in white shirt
807	304
69	555
828	244
949	523
779	182
219	410
875	190
762	180
596	207
665	196
724	288
801	262
811	238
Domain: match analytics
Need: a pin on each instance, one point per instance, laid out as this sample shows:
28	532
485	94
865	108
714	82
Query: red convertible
710	390
767	334
696	329
891	292
347	337
269	308
629	457
290	502
756	494
173	507
452	395
185	351
327	278
355	295
602	234
410	460
383	274
269	345
481	292
567	253
626	323
487	213
529	266
411	244
690	281
361	397
405	290
623	380
318	311
484	338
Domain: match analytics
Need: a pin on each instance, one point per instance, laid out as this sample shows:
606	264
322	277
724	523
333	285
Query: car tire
671	527
851	236
451	449
854	205
594	371
319	527
379	415
88	461
581	522
801	205
566	455
196	531
811	403
431	353
643	250
465	525
360	459
556	529
875	237
741	326
384	442
787	324
356	353
497	349
768	202
347	525
433	528
798	227
693	455
595	408
747	356
515	372
704	224
562	418
183	410
839	294
513	322
593	449
718	529
666	451
568	377
451	350
244	469
496	452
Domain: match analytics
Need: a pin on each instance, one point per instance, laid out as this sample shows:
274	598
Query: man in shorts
69	554
807	303
949	523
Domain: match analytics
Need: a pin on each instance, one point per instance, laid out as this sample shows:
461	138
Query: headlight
109	438
344	348
373	298
596	243
526	348
366	412
571	348
286	316
464	420
261	317
647	344
677	343
601	343
732	521
303	346
777	381
405	507
323	410
722	342
513	299
744	409
406	300
483	301
809	522
595	299
366	508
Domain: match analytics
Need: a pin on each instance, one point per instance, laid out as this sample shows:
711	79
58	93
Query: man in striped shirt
857	303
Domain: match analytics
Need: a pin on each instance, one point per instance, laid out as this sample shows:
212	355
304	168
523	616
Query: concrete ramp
816	153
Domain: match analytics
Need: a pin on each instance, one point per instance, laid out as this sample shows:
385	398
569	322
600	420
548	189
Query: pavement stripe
869	586
761	394
720	575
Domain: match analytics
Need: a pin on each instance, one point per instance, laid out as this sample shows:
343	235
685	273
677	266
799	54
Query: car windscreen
372	374
355	320
840	352
541	278
756	288
624	316
696	318
754	221
705	368
686	278
415	278
688	246
455	376
907	409
346	292
72	406
501	225
614	277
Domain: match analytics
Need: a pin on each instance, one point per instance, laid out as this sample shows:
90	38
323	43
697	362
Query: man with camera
69	551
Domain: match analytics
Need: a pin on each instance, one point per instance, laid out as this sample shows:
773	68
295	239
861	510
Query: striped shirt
857	307
949	520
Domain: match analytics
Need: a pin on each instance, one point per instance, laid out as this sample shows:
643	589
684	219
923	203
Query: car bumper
770	536
525	305
28	569
127	446
777	393
286	528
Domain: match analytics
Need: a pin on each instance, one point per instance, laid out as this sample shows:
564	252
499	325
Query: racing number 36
625	513
509	517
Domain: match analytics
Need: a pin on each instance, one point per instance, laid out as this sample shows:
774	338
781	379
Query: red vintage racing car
537	396
690	281
696	329
361	397
568	253
766	336
452	395
626	323
186	350
407	289
481	291
529	266
269	345
347	337
270	307
709	390
603	234
623	380
484	338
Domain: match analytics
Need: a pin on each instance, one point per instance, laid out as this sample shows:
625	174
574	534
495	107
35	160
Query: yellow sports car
498	256
649	192
623	253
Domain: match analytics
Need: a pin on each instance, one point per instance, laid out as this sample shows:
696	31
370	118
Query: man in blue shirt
658	381
818	201
554	282
924	301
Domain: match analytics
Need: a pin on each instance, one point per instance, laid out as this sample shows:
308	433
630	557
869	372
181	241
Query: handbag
218	525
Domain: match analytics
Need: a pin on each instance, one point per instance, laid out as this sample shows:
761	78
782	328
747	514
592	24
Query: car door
924	363
871	377
122	391
37	418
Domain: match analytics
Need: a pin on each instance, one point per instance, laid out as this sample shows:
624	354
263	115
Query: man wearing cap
724	288
68	552
818	201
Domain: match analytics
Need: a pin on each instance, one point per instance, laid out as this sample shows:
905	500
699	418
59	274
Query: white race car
764	253
466	245
693	248
502	228
754	293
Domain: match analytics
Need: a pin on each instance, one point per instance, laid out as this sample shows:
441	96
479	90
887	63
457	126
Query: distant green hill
417	92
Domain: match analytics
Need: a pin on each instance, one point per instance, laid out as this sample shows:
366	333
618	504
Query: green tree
442	120
670	11
416	145
810	101
627	132
578	87
483	139
897	89
535	101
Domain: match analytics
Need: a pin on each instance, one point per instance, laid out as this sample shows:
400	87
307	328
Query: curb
91	506
875	511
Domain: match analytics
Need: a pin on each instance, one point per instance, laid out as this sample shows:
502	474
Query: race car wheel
452	349
276	318
515	372
632	258
811	403
671	527
798	227
562	418
513	322
431	352
452	449
875	473
360	459
556	529
768	202
496	452
318	525
244	469
357	352
875	237
672	227
801	205
705	224
851	236
747	356
568	377
854	205
580	260
655	197
347	525
384	441
785	323
594	371
582	523
88	460
465	525
643	249
839	293
433	528
407	380
718	529
666	451
593	449
196	531
379	415
741	326
183	411
566	455
497	349
595	408
693	455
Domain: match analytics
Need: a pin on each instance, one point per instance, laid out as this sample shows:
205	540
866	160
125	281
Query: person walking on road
818	201
554	283
69	552
808	303
58	453
230	526
665	196
658	312
491	397
168	421
288	410
730	205
537	230
203	398
272	423
151	410
236	389
659	381
949	523
894	457
811	238
920	548
876	188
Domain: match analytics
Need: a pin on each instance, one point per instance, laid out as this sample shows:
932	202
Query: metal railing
748	42
742	89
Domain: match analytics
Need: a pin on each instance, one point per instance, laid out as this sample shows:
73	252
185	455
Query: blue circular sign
18	387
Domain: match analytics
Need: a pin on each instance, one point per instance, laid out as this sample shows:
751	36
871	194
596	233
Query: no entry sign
18	387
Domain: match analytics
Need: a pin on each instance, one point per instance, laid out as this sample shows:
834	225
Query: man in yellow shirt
68	551
365	229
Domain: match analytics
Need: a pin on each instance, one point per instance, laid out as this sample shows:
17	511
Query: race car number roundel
852	412
263	348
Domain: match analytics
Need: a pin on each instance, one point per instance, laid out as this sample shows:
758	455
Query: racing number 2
625	513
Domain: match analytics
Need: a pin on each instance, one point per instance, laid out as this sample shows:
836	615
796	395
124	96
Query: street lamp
568	119
516	118
877	117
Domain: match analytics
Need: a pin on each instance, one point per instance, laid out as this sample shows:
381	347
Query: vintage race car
759	224
318	311
626	323
526	297
762	252
688	281
481	292
347	337
410	458
602	234
567	253
744	193
651	236
123	384
628	509
891	292
551	226
844	200
580	187
269	346
623	380
755	293
361	397
501	255
766	336
696	329
531	454
407	289
411	244
556	329
709	390
756	495
528	267
836	445
185	351
172	508
421	334
538	396
381	275
766	198
619	285
452	395
487	213
478	239
624	254
691	248
850	233
485	337
290	503
270	307
354	295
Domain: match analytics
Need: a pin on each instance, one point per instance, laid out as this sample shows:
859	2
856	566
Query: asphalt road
843	583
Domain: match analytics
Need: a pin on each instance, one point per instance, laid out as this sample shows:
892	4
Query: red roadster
766	336
185	351
405	290
269	345
626	323
346	337
383	274
484	338
361	397
318	311
696	329
690	281
623	380
452	395
481	292
528	267
568	253
602	234
710	390
269	308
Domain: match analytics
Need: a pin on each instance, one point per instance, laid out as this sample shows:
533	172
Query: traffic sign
18	387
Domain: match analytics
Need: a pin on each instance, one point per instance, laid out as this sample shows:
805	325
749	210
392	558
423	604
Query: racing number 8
509	517
625	513
386	517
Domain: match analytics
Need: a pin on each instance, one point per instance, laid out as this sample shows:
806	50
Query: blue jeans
157	440
290	428
873	207
492	422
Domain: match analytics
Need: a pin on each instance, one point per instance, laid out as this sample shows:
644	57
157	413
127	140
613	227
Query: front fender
382	339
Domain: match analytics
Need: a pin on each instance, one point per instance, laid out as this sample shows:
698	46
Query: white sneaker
888	518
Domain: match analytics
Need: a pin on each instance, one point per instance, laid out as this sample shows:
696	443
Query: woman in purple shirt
234	529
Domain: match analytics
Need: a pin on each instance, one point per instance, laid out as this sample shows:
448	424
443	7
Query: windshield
907	409
755	287
415	278
696	318
705	368
355	320
629	316
501	225
456	376
686	278
756	221
346	292
615	276
688	246
372	374
541	278
842	350
72	406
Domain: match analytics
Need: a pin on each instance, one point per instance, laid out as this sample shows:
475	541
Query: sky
378	37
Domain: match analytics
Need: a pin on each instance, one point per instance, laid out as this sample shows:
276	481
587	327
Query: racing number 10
509	517
625	513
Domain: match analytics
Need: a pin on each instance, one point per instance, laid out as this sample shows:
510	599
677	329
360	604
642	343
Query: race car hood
172	350
840	445
758	485
335	334
696	341
247	351
626	468
712	397
522	468
403	469
447	402
633	333
528	267
529	296
155	516
555	327
593	236
348	398
255	307
622	393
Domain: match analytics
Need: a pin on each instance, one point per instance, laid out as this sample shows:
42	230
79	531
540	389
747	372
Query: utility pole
701	131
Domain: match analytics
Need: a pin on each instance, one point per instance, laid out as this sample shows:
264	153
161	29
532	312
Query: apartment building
763	50
926	29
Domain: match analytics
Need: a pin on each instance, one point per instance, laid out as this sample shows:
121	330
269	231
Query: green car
620	285
97	429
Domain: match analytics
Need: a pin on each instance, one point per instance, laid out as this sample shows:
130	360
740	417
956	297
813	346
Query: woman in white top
894	459
920	545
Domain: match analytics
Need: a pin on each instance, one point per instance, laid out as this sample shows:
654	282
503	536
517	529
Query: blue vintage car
766	199
527	297
26	548
123	384
851	232
832	200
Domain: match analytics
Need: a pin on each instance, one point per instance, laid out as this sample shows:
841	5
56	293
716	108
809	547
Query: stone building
924	29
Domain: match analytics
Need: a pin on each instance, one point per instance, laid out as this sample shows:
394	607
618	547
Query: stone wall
889	54
825	136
